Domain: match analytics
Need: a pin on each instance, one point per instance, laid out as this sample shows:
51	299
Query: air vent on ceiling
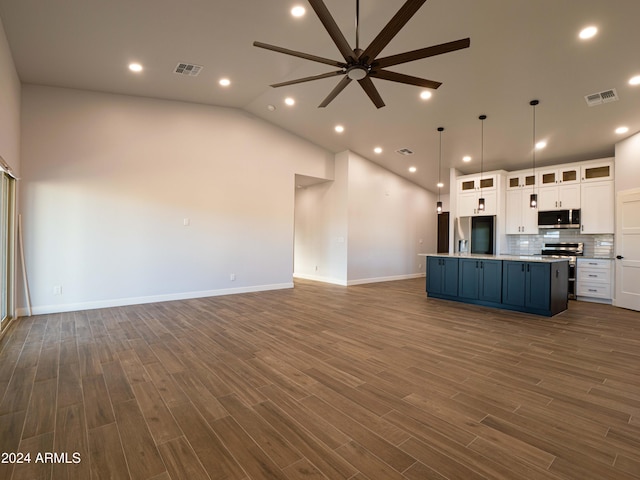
404	151
605	96
188	69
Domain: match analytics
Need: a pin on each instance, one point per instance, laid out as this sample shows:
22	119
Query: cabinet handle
593	290
523	267
593	276
527	268
582	227
560	202
481	264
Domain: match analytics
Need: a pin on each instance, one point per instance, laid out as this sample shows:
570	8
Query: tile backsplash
594	245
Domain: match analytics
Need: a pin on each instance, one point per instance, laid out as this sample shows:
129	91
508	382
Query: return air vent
404	151
602	97
188	69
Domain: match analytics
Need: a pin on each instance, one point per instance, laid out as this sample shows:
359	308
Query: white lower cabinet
594	280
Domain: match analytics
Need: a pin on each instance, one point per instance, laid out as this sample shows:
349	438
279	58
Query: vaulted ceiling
520	50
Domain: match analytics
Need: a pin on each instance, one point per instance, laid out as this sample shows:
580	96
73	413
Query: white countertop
478	256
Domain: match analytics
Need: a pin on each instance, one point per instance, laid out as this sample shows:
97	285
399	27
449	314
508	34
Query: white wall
109	179
321	228
627	163
389	217
9	106
363	227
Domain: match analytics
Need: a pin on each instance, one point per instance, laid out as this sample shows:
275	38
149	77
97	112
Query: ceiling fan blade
331	27
308	79
422	53
334	93
294	53
402	78
398	21
370	89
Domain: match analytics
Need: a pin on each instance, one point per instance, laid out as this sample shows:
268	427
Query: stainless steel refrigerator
475	234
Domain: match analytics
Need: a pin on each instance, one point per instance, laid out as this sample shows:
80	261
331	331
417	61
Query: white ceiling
520	50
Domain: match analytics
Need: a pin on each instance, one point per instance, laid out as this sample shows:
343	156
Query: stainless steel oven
571	251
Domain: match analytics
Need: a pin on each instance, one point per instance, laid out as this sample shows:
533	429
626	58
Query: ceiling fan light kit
363	65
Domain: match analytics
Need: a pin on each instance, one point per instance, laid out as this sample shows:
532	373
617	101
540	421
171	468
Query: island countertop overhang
506	257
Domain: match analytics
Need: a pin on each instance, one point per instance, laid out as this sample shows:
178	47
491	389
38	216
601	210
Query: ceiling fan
362	65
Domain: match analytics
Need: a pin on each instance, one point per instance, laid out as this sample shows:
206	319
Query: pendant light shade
481	204
533	198
439	204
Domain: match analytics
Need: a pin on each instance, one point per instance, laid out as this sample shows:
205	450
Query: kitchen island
531	284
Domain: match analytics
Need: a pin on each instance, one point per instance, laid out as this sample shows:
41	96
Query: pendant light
481	204
533	198
439	204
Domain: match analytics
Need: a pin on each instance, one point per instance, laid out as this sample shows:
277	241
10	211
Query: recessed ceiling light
588	32
339	128
377	150
621	130
413	169
541	144
425	95
271	108
135	67
298	11
225	82
635	80
440	184
289	101
466	159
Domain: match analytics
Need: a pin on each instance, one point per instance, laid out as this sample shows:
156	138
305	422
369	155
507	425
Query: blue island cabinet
480	280
442	277
535	287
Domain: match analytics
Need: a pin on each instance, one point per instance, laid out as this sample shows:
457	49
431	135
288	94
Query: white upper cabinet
471	188
521	179
559	175
597	170
598	202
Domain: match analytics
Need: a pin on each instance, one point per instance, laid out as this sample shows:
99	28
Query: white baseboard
360	281
121	302
393	278
318	278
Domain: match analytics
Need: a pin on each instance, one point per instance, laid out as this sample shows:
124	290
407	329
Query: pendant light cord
534	148
440	129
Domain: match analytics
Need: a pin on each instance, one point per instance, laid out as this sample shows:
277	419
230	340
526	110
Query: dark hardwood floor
374	381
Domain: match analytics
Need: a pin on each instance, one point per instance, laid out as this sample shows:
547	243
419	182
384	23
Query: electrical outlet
232	277
57	290
316	268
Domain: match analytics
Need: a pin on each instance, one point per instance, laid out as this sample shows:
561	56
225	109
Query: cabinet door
490	202
490	284
548	198
450	276
529	216
569	174
538	289
513	283
467	204
597	172
548	177
468	278
434	275
569	196
513	211
597	207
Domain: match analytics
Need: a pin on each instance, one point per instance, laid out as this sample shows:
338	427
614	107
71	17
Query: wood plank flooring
323	382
